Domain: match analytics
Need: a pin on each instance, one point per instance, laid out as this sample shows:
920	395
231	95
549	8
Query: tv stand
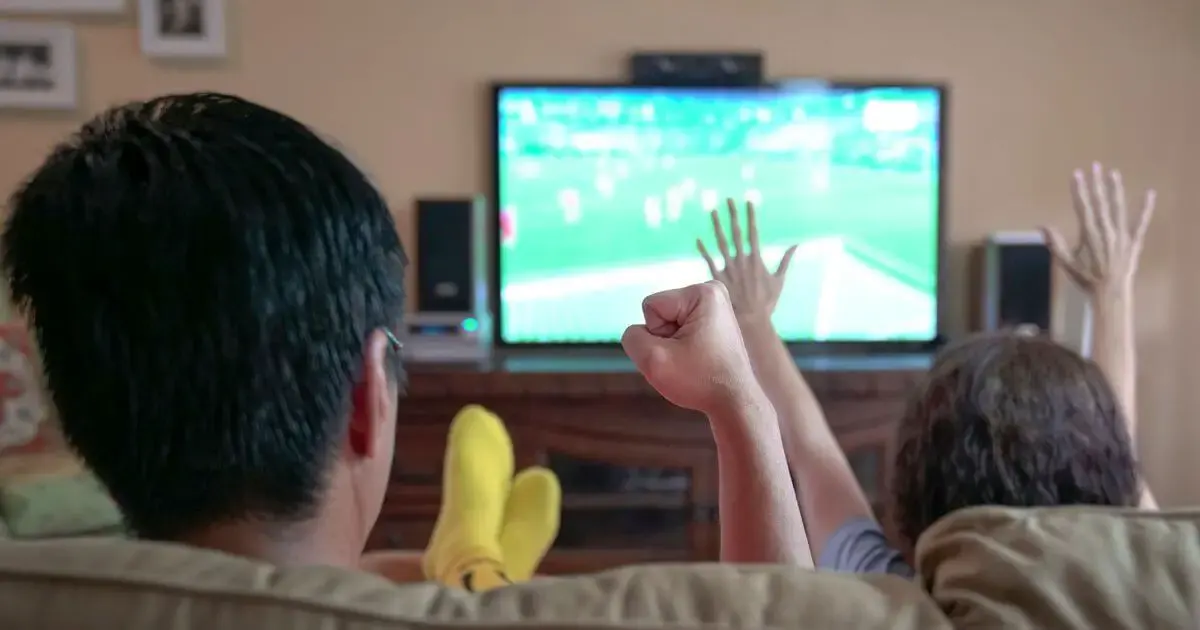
639	475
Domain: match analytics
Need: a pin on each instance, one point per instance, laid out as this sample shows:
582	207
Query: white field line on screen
899	303
827	297
677	271
888	262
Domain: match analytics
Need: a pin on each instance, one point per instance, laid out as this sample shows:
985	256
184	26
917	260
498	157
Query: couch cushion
1066	568
128	585
986	568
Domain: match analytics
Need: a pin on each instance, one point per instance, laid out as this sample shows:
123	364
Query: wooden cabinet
639	475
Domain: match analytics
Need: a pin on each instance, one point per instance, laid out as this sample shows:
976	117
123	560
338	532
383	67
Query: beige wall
1039	87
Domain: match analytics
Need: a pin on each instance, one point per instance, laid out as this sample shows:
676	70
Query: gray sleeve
859	546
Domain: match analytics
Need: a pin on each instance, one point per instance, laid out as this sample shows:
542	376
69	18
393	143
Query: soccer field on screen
578	264
588	306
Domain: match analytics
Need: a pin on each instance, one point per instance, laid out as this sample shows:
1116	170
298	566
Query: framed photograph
182	29
37	66
63	6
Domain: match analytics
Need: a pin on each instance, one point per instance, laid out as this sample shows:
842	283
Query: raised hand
690	349
1105	257
753	289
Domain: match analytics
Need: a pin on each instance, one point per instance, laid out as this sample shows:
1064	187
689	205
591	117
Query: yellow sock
476	479
482	576
530	521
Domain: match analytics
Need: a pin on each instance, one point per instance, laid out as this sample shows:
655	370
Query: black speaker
696	69
1017	284
452	256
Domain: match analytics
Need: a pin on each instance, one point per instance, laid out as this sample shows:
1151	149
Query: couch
980	569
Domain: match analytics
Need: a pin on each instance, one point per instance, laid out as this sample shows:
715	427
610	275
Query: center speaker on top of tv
696	69
453	318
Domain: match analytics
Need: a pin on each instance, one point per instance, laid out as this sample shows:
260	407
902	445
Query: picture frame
182	29
78	7
38	66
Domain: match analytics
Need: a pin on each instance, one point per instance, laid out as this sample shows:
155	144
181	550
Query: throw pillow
47	507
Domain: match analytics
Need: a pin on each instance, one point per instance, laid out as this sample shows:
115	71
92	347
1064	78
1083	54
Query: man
999	420
214	288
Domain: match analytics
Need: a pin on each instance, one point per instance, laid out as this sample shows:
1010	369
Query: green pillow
59	506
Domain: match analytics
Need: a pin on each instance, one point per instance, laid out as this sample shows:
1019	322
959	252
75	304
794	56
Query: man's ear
370	397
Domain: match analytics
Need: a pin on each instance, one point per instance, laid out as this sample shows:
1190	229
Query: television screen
602	192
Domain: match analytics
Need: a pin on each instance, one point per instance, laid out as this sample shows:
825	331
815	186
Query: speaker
452	256
1017	283
720	69
1019	292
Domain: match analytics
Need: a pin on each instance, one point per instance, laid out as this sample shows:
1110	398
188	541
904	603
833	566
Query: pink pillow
24	417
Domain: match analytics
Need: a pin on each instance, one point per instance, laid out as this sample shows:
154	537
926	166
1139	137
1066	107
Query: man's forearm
760	521
829	493
1114	349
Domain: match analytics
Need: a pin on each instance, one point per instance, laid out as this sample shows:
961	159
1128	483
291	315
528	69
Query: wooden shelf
626	501
613	418
418	500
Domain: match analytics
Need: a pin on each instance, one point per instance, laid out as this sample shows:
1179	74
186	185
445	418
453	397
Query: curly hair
1009	420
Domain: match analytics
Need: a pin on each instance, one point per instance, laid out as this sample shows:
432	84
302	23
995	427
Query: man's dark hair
1013	421
202	274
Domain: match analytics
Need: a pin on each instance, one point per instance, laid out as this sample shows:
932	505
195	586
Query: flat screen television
602	190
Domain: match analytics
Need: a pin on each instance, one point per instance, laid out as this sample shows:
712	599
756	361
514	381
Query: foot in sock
465	550
531	521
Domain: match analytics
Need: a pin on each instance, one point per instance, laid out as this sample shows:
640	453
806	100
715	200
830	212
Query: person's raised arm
690	351
829	494
1104	263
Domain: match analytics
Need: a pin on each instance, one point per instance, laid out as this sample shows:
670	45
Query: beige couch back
983	568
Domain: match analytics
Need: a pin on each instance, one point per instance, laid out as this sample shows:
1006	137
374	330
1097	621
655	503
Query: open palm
1107	251
753	289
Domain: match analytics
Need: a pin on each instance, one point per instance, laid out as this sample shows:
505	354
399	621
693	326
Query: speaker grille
1024	288
444	256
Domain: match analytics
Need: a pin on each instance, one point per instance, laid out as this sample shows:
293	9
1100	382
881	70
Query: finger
1143	226
752	228
785	262
642	347
735	226
1120	206
661	312
713	288
666	312
1062	254
719	232
1103	205
1086	214
708	259
1057	244
702	300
